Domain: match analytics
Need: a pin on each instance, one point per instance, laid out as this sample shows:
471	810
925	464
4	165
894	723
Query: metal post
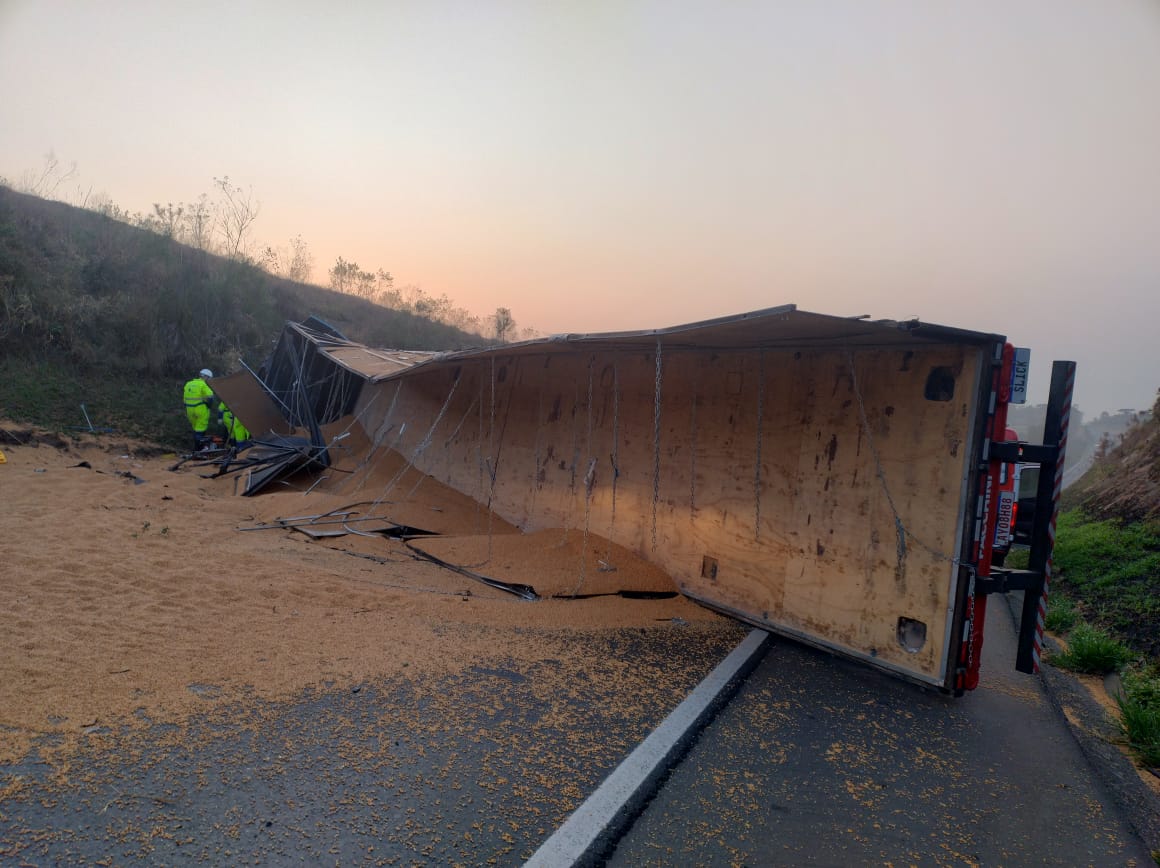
1055	428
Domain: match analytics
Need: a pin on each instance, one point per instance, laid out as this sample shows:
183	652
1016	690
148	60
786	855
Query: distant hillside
96	312
1084	435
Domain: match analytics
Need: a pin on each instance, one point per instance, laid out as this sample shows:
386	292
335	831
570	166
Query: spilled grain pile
131	592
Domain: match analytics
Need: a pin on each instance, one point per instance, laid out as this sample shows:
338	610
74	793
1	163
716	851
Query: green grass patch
49	393
1090	649
1141	725
1140	713
1103	553
1018	558
1061	614
1111	570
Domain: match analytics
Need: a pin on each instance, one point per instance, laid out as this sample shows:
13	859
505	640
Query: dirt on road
132	592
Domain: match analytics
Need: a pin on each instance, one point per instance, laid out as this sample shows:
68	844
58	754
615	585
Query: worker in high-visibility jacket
199	400
236	432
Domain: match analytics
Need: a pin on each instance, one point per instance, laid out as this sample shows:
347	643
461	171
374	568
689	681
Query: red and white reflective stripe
1057	490
970	654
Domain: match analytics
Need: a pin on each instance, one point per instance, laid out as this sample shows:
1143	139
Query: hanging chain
615	450
693	447
589	483
479	440
591	363
656	445
538	454
572	465
757	462
572	468
493	464
491	421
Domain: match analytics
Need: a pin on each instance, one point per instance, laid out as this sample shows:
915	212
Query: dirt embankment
1125	482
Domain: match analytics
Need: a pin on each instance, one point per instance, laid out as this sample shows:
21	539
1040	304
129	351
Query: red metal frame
970	653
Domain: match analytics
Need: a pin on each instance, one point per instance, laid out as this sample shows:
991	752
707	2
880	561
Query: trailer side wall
818	491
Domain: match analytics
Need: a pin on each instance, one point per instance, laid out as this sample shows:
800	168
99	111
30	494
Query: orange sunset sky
601	166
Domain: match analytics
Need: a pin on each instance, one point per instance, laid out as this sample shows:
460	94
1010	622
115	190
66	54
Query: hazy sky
611	165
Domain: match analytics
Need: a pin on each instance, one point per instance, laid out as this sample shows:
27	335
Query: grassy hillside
1107	554
1108	542
1105	596
100	313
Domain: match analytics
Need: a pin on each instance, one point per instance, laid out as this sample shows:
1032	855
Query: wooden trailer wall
816	491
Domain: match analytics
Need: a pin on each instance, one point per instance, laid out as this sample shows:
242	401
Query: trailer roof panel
783	327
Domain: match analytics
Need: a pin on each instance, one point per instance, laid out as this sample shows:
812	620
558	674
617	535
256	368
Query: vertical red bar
996	429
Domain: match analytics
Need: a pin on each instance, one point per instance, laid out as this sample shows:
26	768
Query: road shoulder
1097	735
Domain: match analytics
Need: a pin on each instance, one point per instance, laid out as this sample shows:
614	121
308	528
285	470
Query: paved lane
820	762
815	761
472	768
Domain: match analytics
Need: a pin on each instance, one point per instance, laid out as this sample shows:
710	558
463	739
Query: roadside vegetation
115	317
1105	595
223	222
1093	651
1140	712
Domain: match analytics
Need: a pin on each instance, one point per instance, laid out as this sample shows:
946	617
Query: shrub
1061	614
1143	683
1092	650
1140	714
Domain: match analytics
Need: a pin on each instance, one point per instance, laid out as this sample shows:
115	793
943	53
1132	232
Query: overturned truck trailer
824	478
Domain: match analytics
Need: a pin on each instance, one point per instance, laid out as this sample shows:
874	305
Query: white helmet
205	372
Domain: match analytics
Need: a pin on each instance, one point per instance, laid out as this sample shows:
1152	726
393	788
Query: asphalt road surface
816	761
474	768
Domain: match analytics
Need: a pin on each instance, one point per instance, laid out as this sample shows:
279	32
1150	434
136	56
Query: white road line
591	826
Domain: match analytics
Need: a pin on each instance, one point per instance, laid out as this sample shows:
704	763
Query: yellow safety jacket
235	430
198	400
